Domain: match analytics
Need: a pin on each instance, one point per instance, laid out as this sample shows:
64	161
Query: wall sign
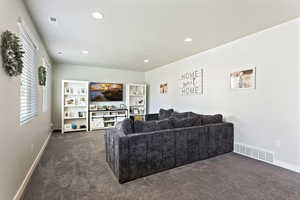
191	83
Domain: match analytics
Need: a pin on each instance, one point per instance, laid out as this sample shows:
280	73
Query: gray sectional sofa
137	149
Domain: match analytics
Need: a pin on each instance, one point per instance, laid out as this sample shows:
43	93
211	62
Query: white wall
88	73
19	145
267	117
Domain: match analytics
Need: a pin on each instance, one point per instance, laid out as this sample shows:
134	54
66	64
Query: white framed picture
243	79
191	83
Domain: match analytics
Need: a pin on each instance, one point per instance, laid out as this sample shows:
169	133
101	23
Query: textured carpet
73	167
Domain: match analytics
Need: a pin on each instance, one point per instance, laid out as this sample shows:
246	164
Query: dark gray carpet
73	167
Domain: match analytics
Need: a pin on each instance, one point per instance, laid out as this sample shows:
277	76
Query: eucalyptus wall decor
12	53
42	75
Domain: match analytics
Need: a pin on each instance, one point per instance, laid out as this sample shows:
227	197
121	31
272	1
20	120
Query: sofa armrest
151	117
116	144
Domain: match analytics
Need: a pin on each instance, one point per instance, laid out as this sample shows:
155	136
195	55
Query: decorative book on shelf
74	105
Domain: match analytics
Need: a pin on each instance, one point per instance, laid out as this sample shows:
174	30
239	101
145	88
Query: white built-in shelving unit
74	106
105	119
136	99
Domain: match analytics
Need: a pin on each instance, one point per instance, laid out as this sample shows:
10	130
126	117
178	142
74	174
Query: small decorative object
74	126
93	107
67	114
42	75
70	101
83	91
191	83
164	88
82	126
122	106
12	53
68	126
68	90
82	101
243	79
81	114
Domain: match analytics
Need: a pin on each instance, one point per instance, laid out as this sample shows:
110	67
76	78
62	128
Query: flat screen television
106	92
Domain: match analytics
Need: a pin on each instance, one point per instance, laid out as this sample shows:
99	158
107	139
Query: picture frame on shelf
83	91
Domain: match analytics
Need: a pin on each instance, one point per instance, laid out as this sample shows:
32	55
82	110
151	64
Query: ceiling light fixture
84	52
188	39
97	15
146	61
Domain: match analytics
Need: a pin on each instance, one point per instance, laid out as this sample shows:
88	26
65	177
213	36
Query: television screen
106	92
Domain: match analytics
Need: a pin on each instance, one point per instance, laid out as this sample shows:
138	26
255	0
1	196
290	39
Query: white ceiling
134	30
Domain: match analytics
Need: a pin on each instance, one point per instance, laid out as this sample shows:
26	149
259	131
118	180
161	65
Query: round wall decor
12	53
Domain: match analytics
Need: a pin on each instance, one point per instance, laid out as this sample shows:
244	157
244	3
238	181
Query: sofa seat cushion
164	114
126	126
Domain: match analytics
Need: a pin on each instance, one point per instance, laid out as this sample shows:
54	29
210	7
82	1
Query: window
28	92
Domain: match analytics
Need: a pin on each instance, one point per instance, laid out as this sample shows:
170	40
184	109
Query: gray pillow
144	126
164	114
126	126
212	119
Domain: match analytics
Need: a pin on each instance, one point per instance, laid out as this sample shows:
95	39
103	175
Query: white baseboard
274	162
287	166
31	170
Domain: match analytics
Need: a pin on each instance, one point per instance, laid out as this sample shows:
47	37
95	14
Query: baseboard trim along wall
31	170
262	155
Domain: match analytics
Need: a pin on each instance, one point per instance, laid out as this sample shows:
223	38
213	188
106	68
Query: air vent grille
254	152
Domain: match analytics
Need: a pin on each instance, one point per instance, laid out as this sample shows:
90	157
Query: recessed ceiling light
84	52
97	15
188	39
146	61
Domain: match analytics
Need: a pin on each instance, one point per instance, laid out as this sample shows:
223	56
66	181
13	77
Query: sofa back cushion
186	122
164	114
126	126
148	126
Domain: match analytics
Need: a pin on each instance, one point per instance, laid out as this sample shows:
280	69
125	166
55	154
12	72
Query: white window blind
28	93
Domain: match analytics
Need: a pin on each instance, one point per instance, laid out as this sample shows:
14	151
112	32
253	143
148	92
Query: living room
179	100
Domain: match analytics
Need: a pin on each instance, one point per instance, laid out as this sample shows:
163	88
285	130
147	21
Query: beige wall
19	145
267	117
87	73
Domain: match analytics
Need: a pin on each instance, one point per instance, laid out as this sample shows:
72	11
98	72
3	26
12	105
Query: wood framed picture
243	79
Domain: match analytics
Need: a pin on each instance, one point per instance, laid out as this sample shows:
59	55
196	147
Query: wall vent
254	152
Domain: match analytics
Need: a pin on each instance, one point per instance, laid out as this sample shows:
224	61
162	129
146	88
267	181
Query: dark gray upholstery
126	126
140	154
164	114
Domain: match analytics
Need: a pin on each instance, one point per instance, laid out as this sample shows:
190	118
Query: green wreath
12	53
42	75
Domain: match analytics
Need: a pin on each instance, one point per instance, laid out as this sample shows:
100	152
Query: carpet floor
73	167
